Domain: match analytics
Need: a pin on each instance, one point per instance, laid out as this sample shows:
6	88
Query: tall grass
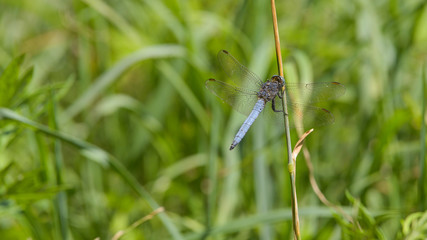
106	119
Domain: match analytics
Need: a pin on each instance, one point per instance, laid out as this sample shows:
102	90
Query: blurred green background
105	117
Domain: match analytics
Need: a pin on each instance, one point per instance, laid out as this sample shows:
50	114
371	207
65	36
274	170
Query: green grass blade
60	202
8	79
108	78
423	144
98	155
121	23
184	90
212	167
271	217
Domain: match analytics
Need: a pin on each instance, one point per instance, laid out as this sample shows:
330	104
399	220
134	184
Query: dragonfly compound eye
278	79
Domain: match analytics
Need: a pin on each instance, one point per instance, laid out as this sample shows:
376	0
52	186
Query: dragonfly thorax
270	88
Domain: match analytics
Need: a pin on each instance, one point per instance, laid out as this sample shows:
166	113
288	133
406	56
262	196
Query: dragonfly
249	95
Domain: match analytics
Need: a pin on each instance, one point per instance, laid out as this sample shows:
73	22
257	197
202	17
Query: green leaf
19	93
9	81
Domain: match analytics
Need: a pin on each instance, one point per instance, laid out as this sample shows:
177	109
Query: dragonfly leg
273	106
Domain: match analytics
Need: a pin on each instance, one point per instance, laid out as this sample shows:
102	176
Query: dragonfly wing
313	92
309	116
240	75
300	116
242	100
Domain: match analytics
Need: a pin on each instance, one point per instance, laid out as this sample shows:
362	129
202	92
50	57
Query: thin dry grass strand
317	190
121	233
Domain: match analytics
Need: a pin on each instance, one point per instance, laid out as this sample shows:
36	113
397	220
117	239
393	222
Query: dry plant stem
317	190
295	219
277	39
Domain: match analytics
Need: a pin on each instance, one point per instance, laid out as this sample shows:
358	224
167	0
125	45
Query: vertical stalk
421	186
291	163
212	170
60	202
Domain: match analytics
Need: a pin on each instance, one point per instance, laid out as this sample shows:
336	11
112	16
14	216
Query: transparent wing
238	73
308	116
242	100
313	92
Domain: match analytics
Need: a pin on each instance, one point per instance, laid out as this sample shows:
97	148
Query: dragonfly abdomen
259	106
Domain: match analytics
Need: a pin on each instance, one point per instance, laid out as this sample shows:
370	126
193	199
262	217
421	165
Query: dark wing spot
209	80
325	110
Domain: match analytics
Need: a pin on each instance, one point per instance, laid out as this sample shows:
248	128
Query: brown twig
291	163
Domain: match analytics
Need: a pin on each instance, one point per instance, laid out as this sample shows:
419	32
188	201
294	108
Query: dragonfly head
278	79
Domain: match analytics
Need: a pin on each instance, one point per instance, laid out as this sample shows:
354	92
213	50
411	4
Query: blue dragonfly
249	95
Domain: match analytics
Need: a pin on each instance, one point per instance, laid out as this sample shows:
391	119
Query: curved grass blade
112	75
